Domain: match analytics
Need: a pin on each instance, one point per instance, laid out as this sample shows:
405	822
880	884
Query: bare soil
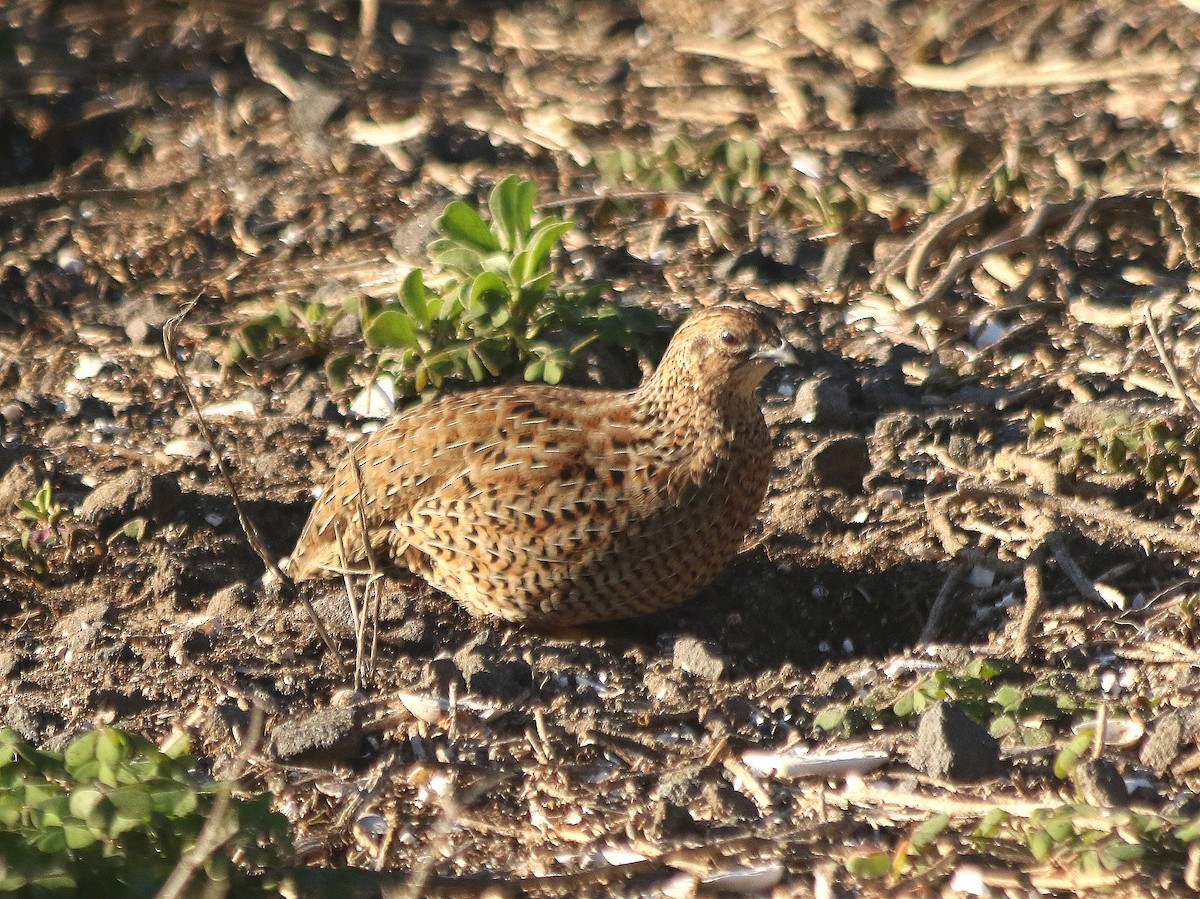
235	154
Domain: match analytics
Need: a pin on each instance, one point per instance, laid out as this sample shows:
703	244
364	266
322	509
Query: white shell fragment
1120	733
229	409
187	447
798	761
744	879
376	400
88	366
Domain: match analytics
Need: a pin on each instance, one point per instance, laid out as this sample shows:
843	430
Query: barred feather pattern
561	506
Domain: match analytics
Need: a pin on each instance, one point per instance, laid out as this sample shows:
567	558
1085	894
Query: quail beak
780	354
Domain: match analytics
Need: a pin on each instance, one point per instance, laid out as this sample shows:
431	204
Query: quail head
559	506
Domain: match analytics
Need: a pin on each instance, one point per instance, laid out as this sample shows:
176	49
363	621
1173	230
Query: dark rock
668	820
230	601
21	481
13	412
320	739
680	786
325	409
835	263
699	657
1168	735
87	409
26	723
443	674
726	804
824	401
839	462
485	675
951	746
1101	784
129	495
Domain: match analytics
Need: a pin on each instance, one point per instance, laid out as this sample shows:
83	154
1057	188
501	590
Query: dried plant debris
956	654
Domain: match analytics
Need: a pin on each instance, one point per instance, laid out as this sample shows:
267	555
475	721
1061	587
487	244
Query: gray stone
824	401
1168	735
320	739
951	746
700	658
1101	784
21	481
129	495
485	675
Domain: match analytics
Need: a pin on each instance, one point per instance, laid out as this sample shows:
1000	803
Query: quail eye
730	339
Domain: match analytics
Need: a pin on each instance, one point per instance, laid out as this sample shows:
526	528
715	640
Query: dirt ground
976	221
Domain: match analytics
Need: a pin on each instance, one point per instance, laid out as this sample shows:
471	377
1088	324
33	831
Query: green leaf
77	835
929	831
392	328
463	224
1117	854
475	366
337	369
81	750
830	719
1069	756
132	801
456	257
870	867
86	802
535	369
112	747
134	528
488	296
1190	832
1009	698
511	204
413	298
542	241
1040	843
552	372
991	823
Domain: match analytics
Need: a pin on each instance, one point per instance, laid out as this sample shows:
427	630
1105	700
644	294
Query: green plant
490	306
1163	451
493	305
39	530
287	334
742	174
113	814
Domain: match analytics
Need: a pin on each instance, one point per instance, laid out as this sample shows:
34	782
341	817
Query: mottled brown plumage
557	506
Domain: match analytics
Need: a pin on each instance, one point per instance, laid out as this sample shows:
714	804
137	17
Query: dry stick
1029	239
218	829
360	629
940	603
171	344
1068	566
1034	599
1187	227
1074	508
1168	362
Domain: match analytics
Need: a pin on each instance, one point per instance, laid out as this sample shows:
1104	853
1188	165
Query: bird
557	506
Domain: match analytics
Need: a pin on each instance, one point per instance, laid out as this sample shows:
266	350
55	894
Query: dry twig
253	537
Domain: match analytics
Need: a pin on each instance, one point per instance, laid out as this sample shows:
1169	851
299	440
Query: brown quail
559	506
